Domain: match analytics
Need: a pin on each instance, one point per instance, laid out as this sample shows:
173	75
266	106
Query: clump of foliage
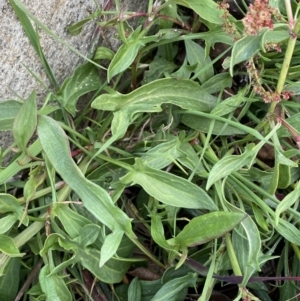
179	179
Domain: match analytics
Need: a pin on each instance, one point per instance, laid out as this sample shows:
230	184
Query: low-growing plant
179	178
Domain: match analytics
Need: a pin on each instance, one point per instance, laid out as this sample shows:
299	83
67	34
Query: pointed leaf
8	203
110	246
157	232
228	165
84	79
183	93
9	283
8	247
196	57
53	286
25	122
163	154
88	235
190	159
112	272
36	178
287	202
172	289
288	231
72	222
96	200
157	68
185	71
168	188
285	176
7	222
229	104
8	111
247	243
203	125
125	54
206	9
33	37
244	49
217	83
206	227
104	53
135	290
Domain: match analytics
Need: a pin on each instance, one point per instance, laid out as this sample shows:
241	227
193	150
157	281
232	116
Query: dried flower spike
258	17
228	26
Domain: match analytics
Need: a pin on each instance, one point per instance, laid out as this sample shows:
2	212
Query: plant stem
232	257
29	232
289	11
286	63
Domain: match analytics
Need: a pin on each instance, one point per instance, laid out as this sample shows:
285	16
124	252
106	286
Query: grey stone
16	51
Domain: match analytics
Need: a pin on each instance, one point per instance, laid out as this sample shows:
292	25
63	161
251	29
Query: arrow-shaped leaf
183	93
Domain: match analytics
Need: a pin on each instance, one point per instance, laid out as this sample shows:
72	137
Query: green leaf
135	290
274	36
8	203
96	200
168	188
9	283
157	69
184	93
8	111
229	164
275	177
33	37
26	11
9	247
294	122
247	243
157	232
190	159
76	28
110	246
173	288
285	177
184	72
202	124
288	201
206	9
7	222
104	53
216	83
72	222
288	231
125	54
14	167
260	218
88	235
172	12
36	178
230	104
283	158
293	87
25	122
244	49
112	272
163	154
196	57
84	79
206	227
53	286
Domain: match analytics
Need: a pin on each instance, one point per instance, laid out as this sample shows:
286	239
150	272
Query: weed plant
179	178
